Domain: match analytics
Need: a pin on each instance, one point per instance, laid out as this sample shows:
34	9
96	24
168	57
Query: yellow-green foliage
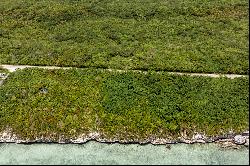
36	102
2	70
192	36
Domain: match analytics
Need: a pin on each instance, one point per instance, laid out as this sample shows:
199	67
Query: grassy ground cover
174	35
3	71
36	102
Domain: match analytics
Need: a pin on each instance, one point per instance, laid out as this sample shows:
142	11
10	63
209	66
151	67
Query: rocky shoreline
230	140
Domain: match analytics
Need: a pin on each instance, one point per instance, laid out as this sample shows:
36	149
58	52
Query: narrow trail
13	68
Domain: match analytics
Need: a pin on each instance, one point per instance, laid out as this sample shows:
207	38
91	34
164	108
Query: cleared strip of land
181	36
12	68
123	105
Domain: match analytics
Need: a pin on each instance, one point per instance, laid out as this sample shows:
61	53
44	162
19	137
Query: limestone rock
239	139
159	141
245	133
198	136
247	143
188	141
200	141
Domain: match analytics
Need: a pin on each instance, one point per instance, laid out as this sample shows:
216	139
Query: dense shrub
190	36
129	105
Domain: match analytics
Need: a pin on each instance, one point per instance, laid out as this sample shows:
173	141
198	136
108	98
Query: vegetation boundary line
12	68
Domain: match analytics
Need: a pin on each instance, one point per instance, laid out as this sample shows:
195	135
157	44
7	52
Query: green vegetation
2	70
128	105
171	35
167	35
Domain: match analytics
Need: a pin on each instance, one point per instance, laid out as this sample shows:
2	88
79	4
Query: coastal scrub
123	105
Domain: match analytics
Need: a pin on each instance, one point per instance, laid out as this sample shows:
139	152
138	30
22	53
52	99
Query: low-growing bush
189	36
128	105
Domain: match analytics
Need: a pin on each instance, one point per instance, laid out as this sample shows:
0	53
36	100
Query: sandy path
13	68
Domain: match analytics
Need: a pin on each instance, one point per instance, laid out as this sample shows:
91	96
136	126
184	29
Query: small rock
168	146
209	140
227	144
159	141
238	139
44	90
19	141
230	135
2	75
225	140
180	140
220	137
245	133
198	137
247	142
200	141
78	140
67	141
188	141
